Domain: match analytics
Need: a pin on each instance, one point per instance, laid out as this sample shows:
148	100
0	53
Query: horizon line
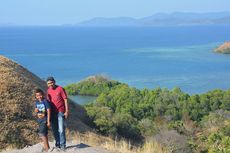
77	24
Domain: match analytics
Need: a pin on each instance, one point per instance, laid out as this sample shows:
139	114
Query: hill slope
163	19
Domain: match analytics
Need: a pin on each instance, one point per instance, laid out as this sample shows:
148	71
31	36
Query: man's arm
48	117
64	96
66	108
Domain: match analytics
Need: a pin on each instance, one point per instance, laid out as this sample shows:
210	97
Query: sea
142	57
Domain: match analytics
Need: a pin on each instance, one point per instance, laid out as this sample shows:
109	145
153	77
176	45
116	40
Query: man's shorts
42	129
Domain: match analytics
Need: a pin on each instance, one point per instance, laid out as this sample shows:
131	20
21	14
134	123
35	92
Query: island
91	86
224	48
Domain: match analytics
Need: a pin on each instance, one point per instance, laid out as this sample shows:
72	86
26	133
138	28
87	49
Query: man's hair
50	78
39	91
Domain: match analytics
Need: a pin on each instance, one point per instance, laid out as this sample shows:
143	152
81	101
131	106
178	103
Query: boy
42	108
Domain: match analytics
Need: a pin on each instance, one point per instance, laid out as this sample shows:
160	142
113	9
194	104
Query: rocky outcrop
224	48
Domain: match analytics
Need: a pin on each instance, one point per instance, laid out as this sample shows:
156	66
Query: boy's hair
39	91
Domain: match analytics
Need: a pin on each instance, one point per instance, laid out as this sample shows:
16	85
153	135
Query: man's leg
54	125
61	129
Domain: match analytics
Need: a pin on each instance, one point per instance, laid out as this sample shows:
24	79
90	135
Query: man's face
51	84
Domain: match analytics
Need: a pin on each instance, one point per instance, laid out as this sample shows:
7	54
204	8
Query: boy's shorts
42	129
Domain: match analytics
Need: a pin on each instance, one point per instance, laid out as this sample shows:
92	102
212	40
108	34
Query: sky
59	12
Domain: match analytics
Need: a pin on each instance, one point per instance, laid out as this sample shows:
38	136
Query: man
59	111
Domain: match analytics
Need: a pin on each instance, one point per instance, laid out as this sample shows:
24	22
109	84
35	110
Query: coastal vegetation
91	86
169	117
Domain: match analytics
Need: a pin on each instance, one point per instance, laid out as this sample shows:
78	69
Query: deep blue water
141	57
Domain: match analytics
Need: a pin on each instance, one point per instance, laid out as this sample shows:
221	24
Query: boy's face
39	96
51	84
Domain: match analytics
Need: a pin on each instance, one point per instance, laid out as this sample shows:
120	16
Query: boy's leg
61	129
43	133
54	125
45	142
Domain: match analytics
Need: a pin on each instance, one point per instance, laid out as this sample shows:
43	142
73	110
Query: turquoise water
141	57
82	99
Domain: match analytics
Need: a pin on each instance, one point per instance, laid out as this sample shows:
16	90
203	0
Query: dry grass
117	146
16	100
153	147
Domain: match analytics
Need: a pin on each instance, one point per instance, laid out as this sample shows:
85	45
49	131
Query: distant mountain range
163	19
